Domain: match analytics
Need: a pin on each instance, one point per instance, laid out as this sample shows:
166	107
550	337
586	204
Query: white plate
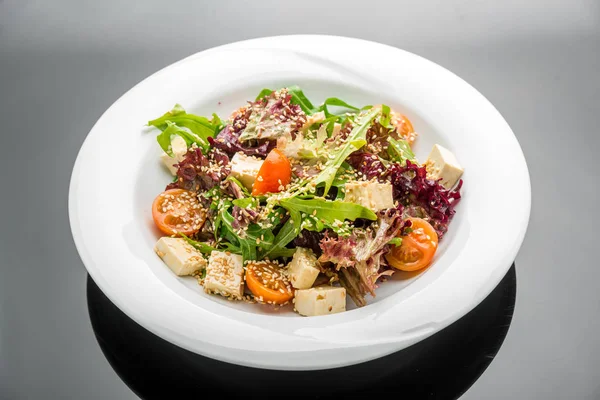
117	175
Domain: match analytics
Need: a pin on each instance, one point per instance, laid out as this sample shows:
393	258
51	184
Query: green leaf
397	241
334	101
259	236
300	99
400	151
201	247
288	232
200	126
330	122
246	202
217	123
248	250
246	246
355	141
263	93
385	116
328	210
165	137
284	252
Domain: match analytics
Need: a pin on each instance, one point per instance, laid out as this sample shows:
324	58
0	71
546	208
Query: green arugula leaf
288	232
200	126
300	99
201	247
165	137
246	202
263	93
218	206
284	252
330	122
355	141
328	210
246	247
248	250
385	116
400	151
334	101
339	182
259	236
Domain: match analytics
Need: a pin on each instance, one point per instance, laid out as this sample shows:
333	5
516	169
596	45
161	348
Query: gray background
63	63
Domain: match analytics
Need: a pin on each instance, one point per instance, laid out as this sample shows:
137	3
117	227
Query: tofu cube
180	256
303	269
245	169
224	275
169	162
442	164
321	300
373	195
179	148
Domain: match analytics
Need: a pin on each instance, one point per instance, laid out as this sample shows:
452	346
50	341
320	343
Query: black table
443	366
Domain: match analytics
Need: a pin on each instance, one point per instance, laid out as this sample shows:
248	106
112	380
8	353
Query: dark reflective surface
441	367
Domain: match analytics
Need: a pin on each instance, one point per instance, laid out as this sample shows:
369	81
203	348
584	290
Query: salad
286	202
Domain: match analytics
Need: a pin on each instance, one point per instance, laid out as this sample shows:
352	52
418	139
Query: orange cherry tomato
403	127
268	283
417	248
275	173
178	211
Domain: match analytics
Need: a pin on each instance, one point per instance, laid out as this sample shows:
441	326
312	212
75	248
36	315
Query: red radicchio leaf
359	257
424	197
198	172
367	164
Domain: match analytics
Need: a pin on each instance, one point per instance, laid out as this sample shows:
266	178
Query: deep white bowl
117	175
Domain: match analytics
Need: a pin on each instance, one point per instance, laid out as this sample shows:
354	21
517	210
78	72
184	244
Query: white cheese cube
303	269
179	255
179	148
373	195
169	162
442	164
245	169
224	275
321	300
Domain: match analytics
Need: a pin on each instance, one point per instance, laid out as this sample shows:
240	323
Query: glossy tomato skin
268	283
417	249
178	211
404	128
274	174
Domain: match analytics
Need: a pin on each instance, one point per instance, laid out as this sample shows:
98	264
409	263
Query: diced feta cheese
180	256
373	195
245	169
303	269
442	164
169	162
321	300
224	275
313	119
179	148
